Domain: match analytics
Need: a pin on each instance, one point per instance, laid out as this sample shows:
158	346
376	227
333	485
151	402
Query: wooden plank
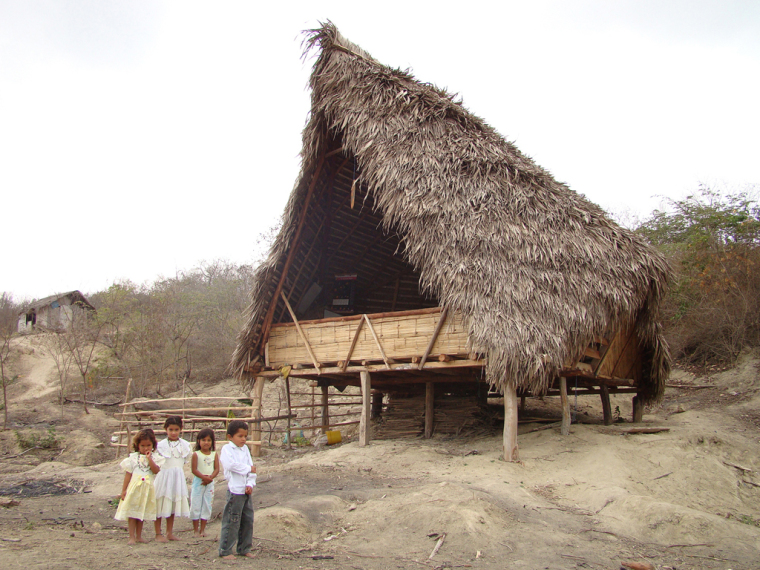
429	408
565	406
374	316
300	332
438	328
364	424
511	452
377	341
592	353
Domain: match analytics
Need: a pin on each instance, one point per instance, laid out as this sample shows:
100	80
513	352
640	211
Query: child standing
205	467
171	488
240	472
138	497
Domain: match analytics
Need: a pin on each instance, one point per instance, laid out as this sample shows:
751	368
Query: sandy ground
684	498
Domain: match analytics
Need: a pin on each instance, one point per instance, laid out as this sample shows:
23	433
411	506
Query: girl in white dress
205	467
171	488
138	497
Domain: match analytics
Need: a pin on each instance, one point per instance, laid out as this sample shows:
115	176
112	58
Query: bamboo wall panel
402	337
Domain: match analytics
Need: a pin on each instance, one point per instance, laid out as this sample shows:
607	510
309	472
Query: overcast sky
140	138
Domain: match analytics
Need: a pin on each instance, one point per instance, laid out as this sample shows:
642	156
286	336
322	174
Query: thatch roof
536	269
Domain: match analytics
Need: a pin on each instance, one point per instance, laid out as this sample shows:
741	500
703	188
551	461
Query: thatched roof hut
399	179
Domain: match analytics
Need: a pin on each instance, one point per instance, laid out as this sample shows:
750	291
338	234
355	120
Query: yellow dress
140	502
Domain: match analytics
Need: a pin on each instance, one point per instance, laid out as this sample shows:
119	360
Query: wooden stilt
254	429
565	430
638	410
429	408
510	424
606	406
377	404
522	404
364	435
325	409
287	393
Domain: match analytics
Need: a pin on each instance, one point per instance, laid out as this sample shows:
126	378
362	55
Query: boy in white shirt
240	472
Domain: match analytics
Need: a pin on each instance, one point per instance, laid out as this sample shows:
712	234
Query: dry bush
712	240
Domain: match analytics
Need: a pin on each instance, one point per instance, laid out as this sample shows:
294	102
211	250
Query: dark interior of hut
346	263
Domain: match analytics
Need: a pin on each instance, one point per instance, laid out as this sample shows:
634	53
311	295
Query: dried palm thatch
536	269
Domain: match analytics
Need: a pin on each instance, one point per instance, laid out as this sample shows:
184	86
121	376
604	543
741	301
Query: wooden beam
511	451
394	367
565	406
291	254
377	341
437	330
364	424
352	347
429	408
301	333
606	406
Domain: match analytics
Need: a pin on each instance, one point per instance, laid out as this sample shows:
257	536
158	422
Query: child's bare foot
249	555
131	541
197	534
229	557
161	538
172	537
142	541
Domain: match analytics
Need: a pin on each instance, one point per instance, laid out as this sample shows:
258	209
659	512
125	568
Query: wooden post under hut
565	430
429	408
364	425
510	424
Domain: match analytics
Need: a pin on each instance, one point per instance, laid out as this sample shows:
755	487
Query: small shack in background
422	255
55	312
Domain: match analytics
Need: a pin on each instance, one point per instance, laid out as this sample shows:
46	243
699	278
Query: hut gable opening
345	262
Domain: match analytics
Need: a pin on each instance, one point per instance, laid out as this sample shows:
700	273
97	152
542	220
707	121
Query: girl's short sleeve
158	459
128	464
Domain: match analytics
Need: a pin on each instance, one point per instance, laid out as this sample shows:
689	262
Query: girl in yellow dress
138	496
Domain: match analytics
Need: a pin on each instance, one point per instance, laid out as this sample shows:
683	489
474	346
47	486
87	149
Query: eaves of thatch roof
76	298
536	269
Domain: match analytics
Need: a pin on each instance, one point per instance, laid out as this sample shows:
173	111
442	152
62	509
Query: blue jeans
237	525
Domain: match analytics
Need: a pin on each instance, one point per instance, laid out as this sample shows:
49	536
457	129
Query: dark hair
235	426
142	435
173	421
204	433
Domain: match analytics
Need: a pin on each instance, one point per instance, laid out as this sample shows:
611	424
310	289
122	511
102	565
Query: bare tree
56	346
81	339
8	324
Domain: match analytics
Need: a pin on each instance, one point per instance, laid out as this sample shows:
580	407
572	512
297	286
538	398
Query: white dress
171	487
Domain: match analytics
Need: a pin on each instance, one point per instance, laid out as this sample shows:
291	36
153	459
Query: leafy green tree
712	240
